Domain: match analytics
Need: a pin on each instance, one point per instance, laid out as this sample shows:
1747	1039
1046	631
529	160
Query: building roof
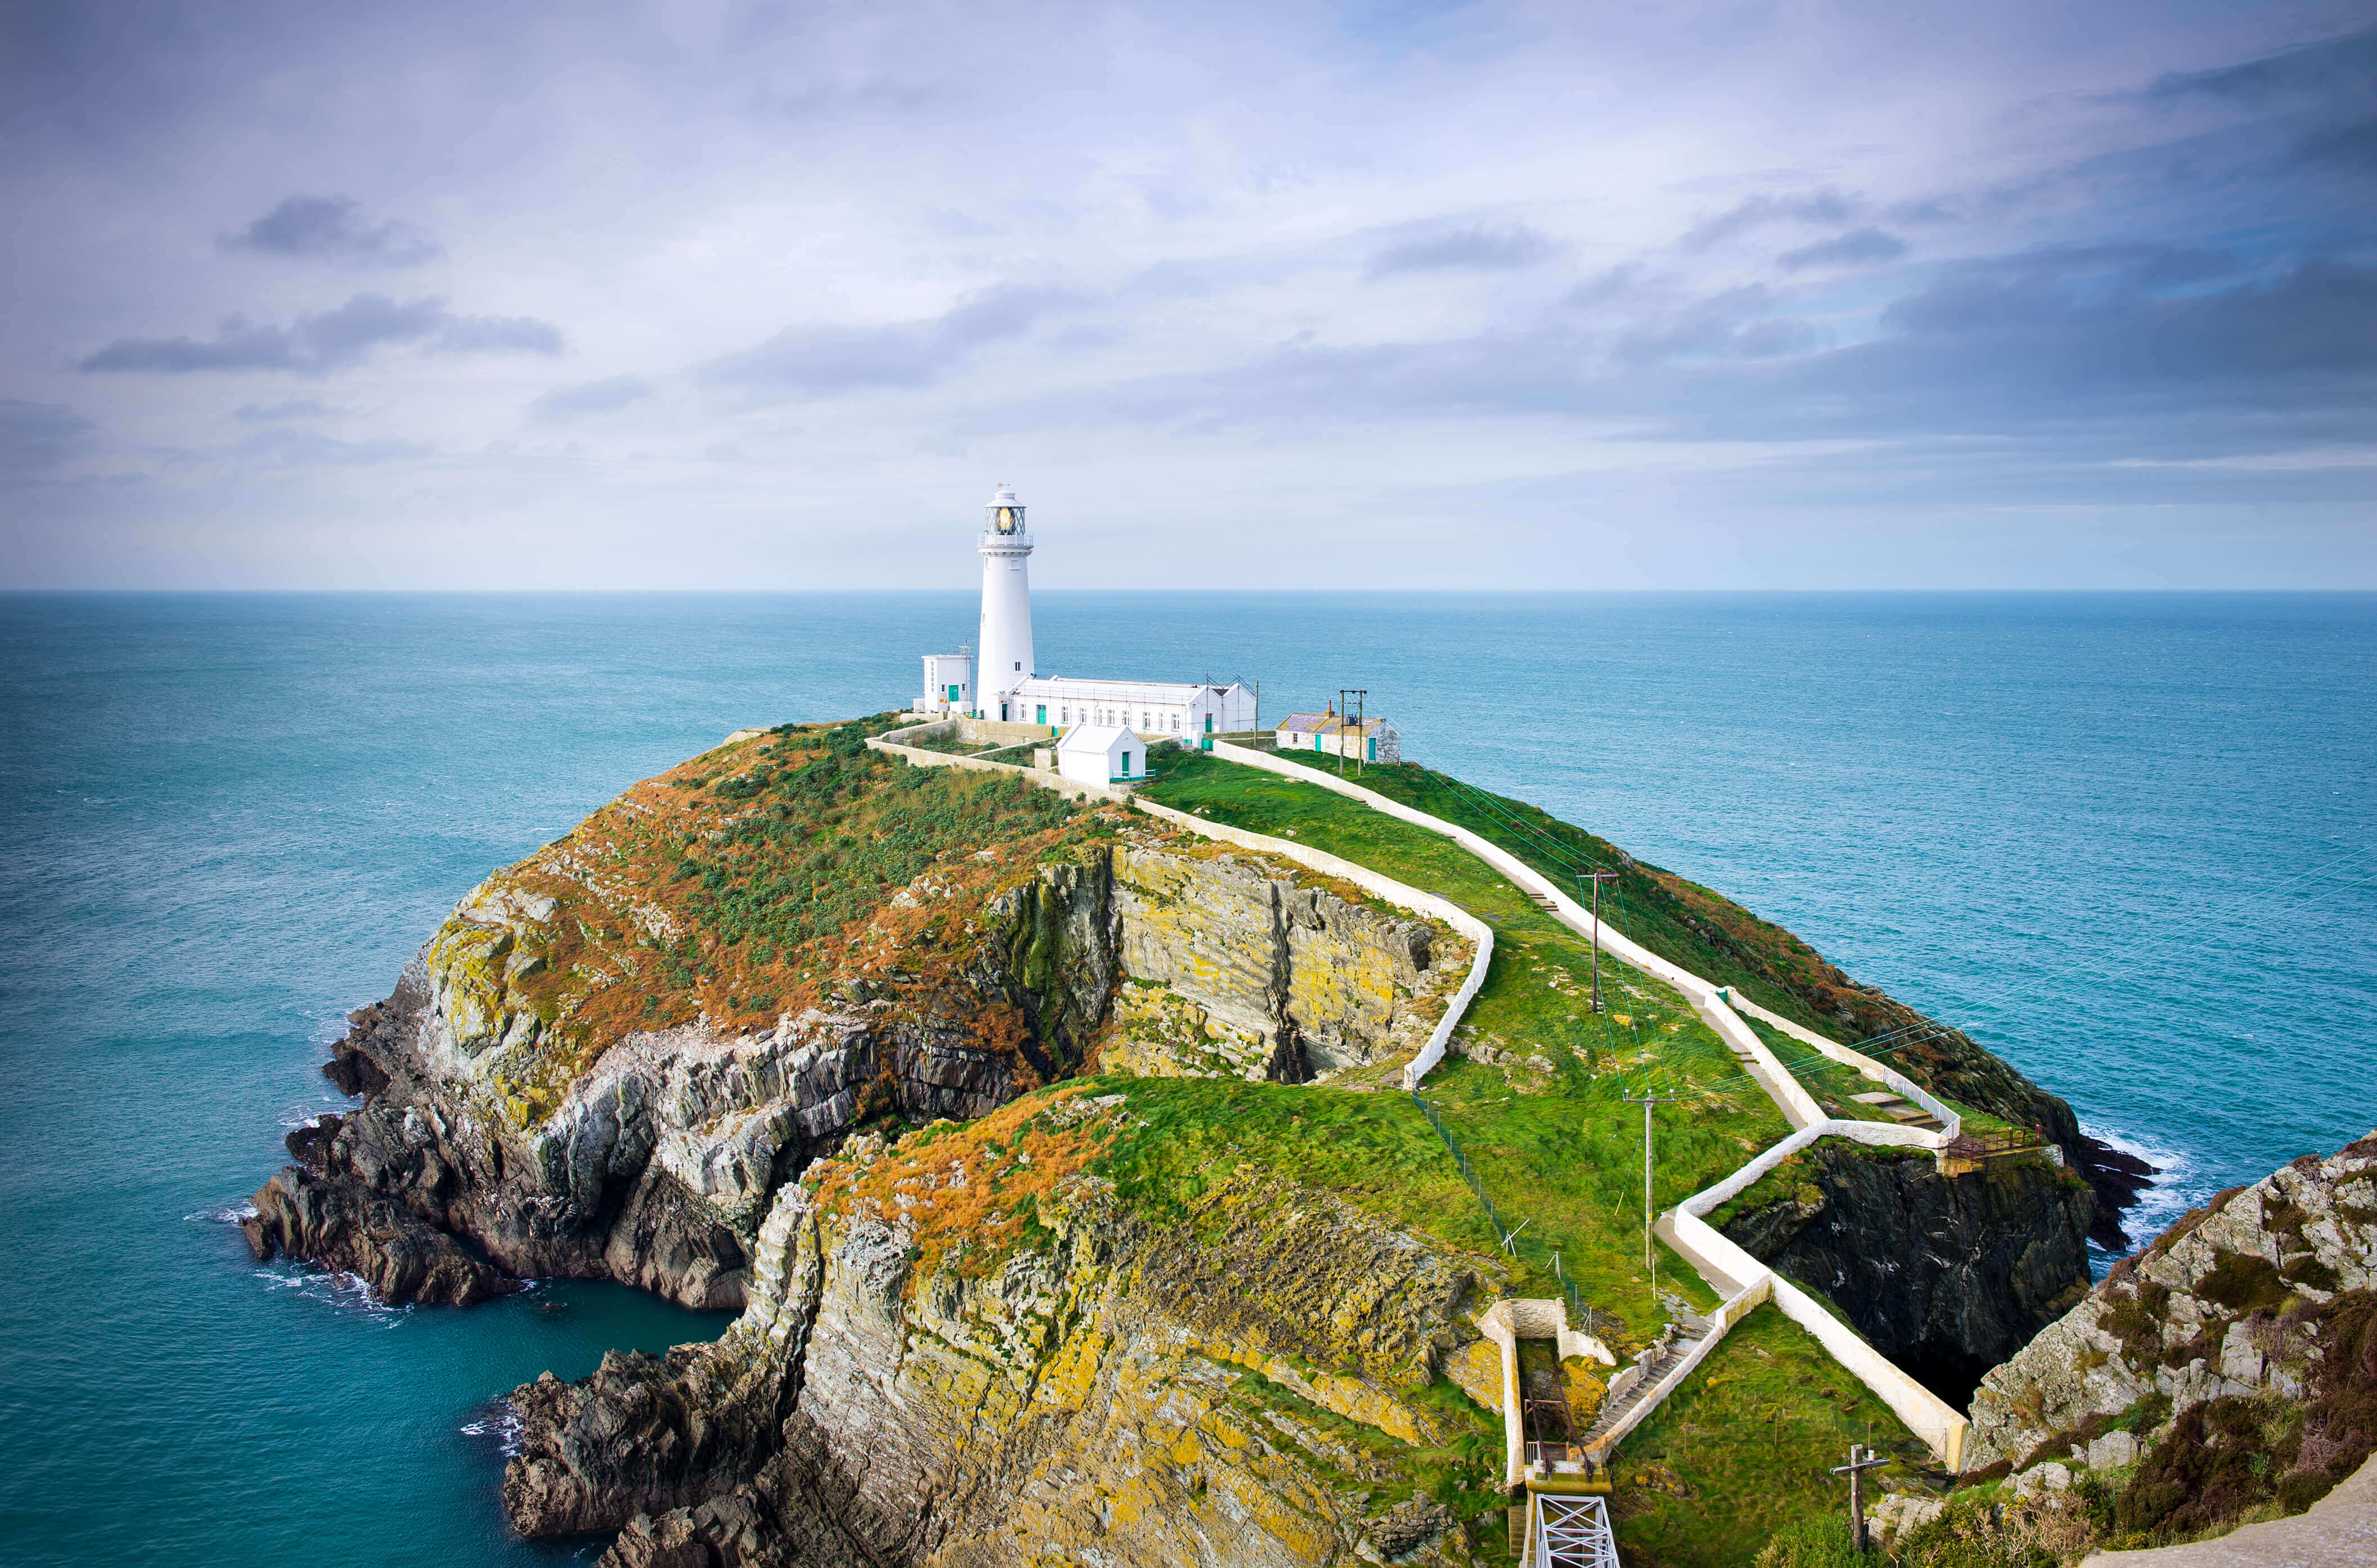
1118	690
1332	723
1095	737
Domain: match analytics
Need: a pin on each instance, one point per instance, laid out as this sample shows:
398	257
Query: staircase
1640	1382
1897	1107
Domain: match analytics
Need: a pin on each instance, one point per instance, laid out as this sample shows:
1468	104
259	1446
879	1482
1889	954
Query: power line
2316	870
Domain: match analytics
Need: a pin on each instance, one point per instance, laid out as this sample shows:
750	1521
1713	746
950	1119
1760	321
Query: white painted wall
1005	643
1100	755
943	670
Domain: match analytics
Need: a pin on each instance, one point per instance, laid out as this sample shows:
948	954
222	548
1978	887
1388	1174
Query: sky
1787	295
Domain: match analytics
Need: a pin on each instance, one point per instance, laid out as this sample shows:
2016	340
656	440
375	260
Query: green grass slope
1718	938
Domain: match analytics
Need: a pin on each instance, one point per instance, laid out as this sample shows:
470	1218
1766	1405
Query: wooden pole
1596	879
1860	1461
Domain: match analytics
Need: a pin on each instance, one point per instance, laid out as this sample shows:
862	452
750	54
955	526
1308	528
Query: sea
2128	841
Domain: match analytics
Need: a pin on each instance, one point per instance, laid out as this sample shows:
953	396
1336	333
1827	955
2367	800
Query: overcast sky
1788	294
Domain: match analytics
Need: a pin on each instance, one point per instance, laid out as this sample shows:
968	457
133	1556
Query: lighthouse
999	684
1006	638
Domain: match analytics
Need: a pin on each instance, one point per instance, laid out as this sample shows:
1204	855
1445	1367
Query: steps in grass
1641	1382
1896	1108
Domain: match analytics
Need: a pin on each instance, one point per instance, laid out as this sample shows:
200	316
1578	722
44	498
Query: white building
1150	706
1102	755
1003	685
1370	740
949	684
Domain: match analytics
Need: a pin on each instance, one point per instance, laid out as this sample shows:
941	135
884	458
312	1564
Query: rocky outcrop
1236	969
1138	1390
2231	1365
653	1170
1946	1274
484	1150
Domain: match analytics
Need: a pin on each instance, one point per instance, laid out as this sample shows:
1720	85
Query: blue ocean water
2130	842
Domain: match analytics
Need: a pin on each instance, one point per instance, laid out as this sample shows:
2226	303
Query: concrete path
2340	1531
1739	1280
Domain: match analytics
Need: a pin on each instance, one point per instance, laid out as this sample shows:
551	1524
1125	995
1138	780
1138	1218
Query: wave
499	1423
2178	1186
346	1293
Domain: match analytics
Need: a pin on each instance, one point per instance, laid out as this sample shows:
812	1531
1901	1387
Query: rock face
1138	1392
1946	1275
1235	970
2230	1365
482	1151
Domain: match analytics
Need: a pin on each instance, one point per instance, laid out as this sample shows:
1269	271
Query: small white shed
1102	755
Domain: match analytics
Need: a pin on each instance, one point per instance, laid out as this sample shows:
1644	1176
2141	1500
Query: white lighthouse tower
1005	639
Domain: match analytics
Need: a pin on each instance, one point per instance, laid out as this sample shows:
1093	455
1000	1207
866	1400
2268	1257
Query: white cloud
1256	272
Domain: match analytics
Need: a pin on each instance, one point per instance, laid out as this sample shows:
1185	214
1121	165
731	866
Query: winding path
1740	1281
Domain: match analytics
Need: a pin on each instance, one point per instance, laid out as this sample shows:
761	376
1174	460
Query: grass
761	878
1833	1085
1714	937
1556	1145
1746	1447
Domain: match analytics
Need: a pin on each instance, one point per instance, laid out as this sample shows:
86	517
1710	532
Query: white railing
1950	1122
1685	1228
1739	1279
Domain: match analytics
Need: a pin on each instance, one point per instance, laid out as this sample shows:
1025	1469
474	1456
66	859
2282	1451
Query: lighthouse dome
1005	513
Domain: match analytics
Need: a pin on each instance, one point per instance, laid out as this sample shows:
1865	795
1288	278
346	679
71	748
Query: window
1065	716
1145	725
1018	666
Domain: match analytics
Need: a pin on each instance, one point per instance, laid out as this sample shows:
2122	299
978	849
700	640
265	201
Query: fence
1580	1312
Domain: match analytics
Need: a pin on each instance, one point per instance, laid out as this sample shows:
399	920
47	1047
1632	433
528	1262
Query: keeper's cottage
1330	732
1007	684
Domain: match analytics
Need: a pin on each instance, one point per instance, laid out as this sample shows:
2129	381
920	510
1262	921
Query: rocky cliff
579	1075
2227	1371
788	1030
966	1348
1946	1274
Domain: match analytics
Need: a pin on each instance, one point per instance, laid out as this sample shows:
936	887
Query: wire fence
1581	1312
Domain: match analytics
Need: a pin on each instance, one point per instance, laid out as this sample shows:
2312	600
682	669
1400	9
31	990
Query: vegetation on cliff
2225	1374
1746	1448
795	945
1712	935
760	875
1535	1095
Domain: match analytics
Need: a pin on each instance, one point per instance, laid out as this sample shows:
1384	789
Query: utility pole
1596	879
1855	1469
1650	1260
1344	712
